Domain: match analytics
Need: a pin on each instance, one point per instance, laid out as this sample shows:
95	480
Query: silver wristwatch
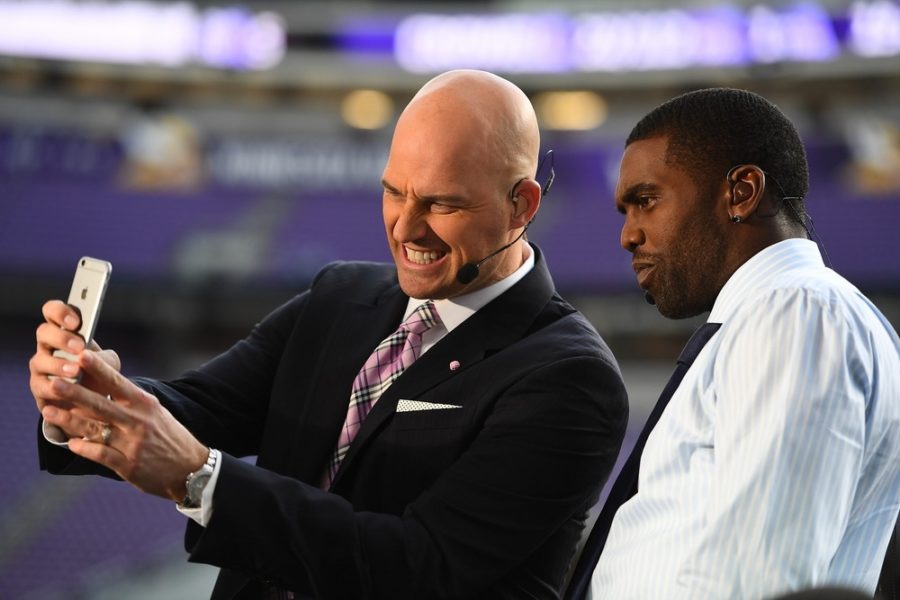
196	482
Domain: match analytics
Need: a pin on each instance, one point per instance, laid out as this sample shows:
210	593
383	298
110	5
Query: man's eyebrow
632	193
442	198
389	187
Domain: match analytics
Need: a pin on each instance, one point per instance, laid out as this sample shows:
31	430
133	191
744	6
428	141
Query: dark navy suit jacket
483	501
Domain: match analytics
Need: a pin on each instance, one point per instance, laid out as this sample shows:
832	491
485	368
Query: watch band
196	482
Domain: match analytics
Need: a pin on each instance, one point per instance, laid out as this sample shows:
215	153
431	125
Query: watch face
197	484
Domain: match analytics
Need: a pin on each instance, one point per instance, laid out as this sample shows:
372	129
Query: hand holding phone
86	296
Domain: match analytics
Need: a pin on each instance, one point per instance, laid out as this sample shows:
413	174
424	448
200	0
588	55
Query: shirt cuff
203	513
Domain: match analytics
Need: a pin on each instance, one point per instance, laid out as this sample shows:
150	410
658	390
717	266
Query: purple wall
54	209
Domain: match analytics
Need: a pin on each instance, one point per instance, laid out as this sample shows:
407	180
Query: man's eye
646	201
441	208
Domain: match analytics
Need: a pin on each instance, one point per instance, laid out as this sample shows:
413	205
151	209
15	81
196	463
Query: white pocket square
415	406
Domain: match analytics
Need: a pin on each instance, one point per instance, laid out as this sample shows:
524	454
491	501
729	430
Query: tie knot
422	319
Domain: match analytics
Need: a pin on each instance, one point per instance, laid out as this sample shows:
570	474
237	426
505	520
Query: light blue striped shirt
776	465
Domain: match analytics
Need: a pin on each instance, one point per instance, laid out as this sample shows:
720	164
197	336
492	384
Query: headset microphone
469	271
649	299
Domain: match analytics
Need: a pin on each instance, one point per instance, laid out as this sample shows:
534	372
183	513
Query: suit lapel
358	328
498	324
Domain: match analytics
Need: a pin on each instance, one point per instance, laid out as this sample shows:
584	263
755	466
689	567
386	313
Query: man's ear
526	201
748	186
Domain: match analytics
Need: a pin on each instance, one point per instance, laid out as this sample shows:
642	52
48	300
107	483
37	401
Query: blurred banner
161	202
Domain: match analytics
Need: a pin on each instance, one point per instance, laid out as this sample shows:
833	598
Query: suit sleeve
225	401
549	443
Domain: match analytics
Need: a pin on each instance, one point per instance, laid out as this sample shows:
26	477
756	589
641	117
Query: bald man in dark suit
468	475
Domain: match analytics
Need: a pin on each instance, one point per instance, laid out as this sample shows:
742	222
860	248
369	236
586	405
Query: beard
689	276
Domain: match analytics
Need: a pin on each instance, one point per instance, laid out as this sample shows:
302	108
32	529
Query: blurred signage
163	153
875	28
719	36
34	152
280	206
139	32
297	165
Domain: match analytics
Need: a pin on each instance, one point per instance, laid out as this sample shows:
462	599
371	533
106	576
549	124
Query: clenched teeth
422	258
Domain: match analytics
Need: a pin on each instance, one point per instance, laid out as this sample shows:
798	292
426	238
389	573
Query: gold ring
105	434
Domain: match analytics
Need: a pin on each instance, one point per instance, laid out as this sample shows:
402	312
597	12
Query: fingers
101	369
45	362
42	367
61	314
87	404
102	454
56	335
74	424
48	362
44	392
51	337
110	357
88	415
58	347
147	446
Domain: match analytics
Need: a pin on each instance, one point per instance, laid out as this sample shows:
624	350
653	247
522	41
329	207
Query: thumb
108	356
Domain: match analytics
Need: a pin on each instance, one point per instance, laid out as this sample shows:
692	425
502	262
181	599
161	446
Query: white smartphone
86	295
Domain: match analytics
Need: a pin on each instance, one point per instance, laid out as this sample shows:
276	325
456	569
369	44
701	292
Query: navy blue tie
626	483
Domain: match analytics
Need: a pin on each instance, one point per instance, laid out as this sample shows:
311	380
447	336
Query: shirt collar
454	311
757	273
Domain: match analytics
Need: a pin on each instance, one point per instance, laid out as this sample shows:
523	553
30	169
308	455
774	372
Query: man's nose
631	236
410	225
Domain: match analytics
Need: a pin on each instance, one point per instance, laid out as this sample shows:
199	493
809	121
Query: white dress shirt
776	464
453	311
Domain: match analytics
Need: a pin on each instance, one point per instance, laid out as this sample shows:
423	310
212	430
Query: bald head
490	119
459	183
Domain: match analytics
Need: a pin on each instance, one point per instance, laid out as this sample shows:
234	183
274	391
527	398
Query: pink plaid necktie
392	356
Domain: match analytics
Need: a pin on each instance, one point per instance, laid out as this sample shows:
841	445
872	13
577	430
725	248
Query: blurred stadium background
218	155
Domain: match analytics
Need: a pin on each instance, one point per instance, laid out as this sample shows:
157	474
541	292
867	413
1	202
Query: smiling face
447	198
441	210
673	230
